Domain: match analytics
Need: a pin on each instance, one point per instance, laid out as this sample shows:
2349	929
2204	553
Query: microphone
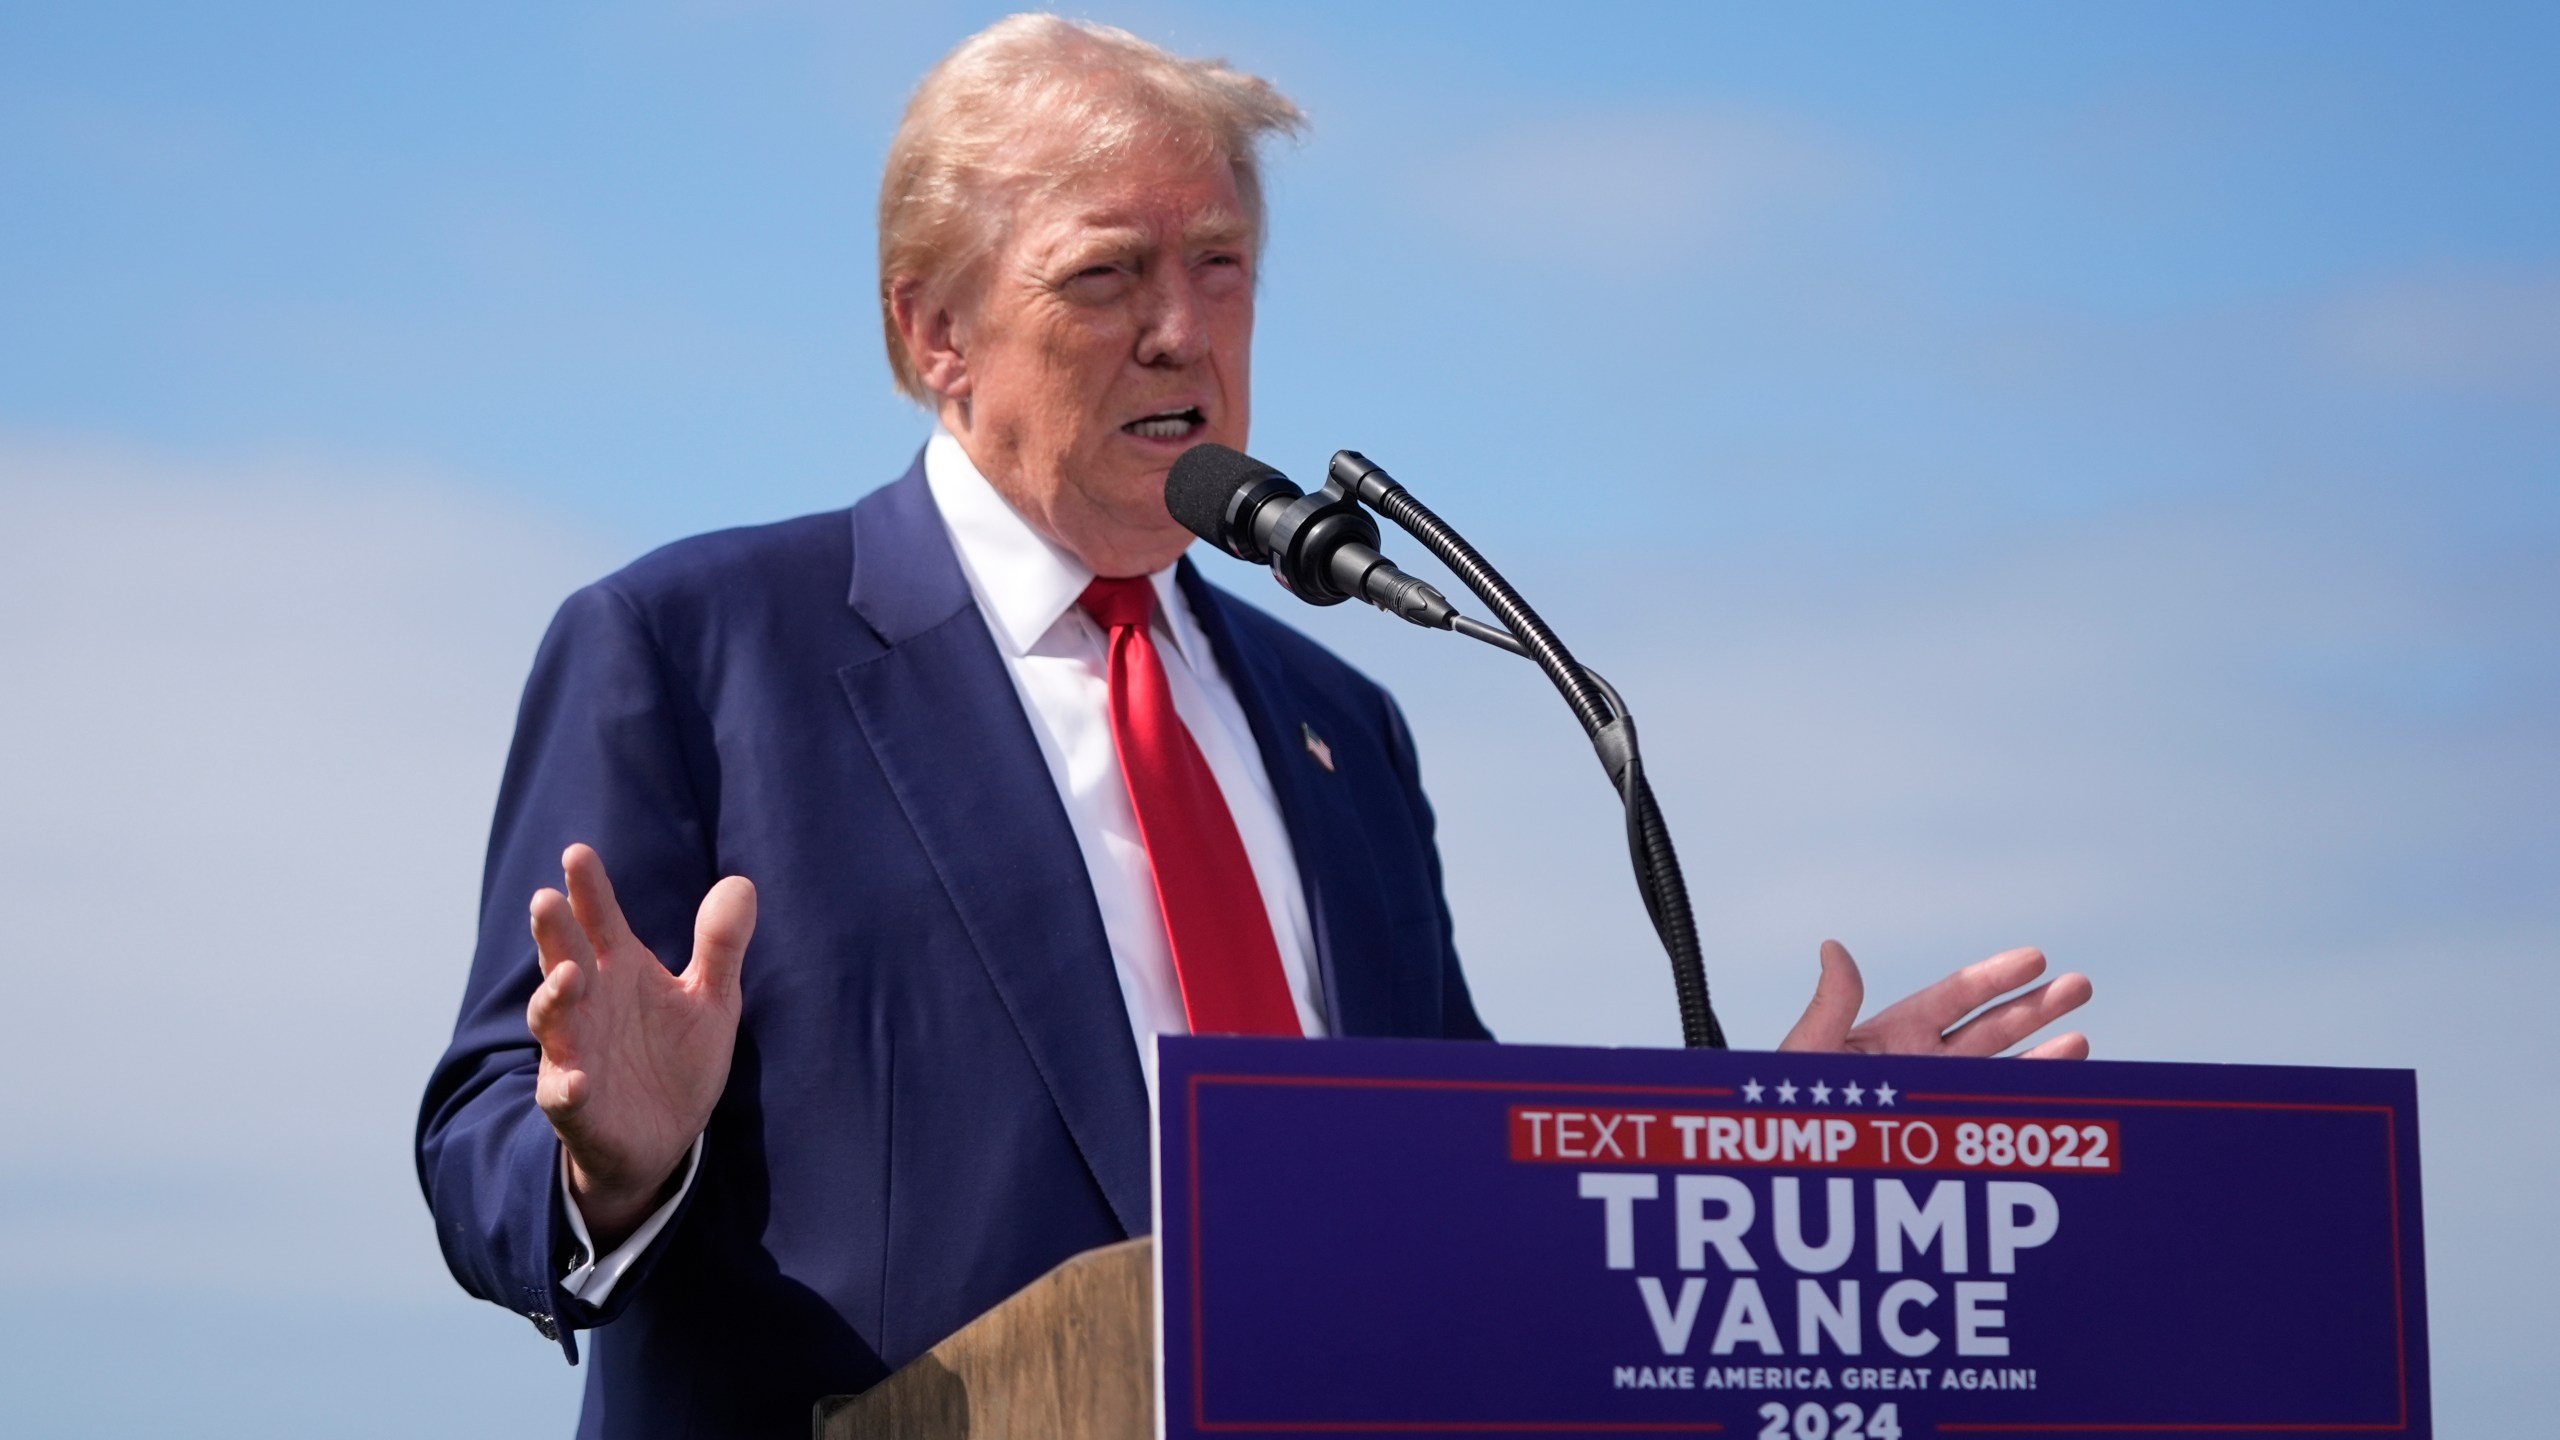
1323	548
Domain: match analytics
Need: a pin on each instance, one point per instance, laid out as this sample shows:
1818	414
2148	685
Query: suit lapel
1326	830
948	730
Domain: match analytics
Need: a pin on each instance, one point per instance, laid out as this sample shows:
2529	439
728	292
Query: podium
1071	1356
1435	1238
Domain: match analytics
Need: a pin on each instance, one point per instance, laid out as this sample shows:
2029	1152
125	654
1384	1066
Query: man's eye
1096	282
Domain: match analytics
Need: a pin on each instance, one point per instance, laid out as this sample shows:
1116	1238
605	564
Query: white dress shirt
1026	588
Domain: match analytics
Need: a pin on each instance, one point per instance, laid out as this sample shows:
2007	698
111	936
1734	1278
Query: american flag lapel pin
1316	746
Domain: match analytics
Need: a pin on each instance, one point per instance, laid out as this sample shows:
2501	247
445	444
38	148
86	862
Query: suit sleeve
608	750
1457	1007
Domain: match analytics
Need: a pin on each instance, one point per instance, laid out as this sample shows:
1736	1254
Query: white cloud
2494	333
1637	190
254	717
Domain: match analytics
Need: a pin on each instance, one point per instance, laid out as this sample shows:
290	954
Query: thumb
1836	998
721	930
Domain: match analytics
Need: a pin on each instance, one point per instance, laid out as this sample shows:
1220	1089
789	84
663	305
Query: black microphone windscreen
1204	480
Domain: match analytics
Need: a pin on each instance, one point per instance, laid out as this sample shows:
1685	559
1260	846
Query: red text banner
1575	1135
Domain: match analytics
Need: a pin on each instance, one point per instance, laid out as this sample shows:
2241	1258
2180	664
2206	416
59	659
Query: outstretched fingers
558	939
592	900
554	1001
2013	1020
1943	1004
559	1086
2069	1046
568	961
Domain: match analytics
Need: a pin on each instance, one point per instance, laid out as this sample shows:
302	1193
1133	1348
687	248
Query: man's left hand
1921	1024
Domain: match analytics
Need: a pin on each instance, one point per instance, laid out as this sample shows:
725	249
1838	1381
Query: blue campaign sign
1381	1237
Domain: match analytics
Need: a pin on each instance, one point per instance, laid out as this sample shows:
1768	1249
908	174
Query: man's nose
1173	329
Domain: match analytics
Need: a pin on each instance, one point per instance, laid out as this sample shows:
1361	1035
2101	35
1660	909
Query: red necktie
1223	954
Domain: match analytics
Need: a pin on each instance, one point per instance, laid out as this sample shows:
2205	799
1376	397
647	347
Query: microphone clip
1306	535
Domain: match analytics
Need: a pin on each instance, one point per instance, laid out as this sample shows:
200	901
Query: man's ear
931	333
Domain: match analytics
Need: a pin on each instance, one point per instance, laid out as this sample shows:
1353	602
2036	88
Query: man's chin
1139	546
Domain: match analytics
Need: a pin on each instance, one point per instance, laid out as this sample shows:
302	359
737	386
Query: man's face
1111	330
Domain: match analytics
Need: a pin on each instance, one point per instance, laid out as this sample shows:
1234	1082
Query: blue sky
2085	476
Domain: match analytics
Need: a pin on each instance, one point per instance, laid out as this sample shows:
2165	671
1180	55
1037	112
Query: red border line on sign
2272	1428
1199	1335
1470	1425
2399	1300
2149	1104
2399	1295
1199	1348
1344	1082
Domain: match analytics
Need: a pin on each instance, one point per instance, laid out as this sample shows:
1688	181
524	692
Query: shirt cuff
592	1279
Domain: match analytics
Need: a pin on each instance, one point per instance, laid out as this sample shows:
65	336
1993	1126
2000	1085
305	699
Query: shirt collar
1025	581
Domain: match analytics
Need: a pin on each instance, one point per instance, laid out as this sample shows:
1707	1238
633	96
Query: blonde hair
1093	94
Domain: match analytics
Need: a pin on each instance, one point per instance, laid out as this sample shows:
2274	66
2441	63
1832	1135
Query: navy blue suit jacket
935	1097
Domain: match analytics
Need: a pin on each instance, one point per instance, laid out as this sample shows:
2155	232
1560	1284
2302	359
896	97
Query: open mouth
1167	424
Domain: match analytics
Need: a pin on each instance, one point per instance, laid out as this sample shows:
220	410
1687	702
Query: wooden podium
1071	1356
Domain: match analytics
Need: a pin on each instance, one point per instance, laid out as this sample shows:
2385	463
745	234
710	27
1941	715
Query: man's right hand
633	1058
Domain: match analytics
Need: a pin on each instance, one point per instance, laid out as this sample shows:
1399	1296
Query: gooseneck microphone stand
1595	703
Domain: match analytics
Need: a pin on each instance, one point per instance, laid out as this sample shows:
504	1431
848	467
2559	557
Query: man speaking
997	787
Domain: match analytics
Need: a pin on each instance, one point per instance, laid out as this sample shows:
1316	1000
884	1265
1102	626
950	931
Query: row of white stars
1850	1094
